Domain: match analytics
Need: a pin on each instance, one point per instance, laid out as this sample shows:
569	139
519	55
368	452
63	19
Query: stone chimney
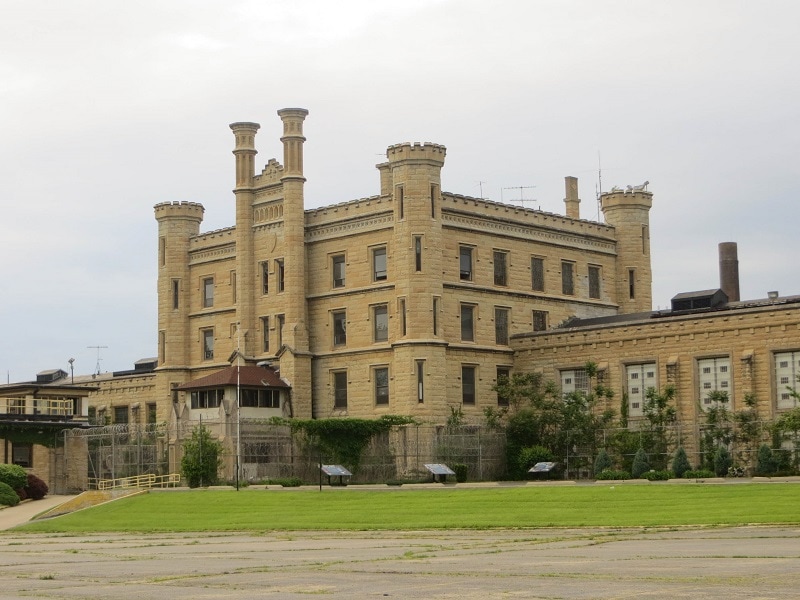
572	202
729	270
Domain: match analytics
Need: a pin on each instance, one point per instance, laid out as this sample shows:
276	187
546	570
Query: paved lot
740	562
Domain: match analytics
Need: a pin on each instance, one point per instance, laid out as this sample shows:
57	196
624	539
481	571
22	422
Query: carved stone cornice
347	227
498	227
205	255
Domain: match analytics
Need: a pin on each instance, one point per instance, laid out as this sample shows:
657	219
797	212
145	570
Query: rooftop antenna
522	200
599	184
480	185
97	368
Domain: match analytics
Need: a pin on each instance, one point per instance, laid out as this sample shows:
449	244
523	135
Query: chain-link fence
266	451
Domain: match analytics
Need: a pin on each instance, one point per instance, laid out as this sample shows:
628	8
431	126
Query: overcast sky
108	108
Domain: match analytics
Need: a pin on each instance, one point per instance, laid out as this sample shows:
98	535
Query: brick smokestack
729	270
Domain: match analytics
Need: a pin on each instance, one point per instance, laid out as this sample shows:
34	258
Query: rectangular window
632	284
340	389
208	344
574	380
380	323
381	385
787	370
420	381
265	334
540	320
162	347
176	293
265	277
162	251
594	281
435	316
638	379
260	398
501	326
22	454
339	328
208	292
537	274
379	272
401	201
281	274
338	270
503	376
465	263
434	195
417	253
567	278
467	384
233	286
713	375
500	268
467	322
281	320
152	413
120	415
403	327
207	398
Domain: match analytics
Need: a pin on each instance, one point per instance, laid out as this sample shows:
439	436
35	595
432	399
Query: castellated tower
178	222
629	213
413	178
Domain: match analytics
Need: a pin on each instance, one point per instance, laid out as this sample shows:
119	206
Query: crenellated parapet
417	151
630	197
191	211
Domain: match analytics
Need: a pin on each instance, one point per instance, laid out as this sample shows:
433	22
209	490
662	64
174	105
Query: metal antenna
480	185
521	199
97	368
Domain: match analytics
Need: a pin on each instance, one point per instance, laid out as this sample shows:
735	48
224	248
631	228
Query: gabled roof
228	377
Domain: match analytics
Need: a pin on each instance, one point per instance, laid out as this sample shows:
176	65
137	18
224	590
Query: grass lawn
573	506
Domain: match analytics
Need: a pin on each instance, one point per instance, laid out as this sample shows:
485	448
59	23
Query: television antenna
97	368
522	200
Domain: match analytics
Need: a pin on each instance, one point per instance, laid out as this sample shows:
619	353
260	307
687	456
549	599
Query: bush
680	464
202	457
460	470
602	462
722	461
13	476
286	481
765	462
36	488
8	497
640	464
612	474
531	455
657	475
699	474
22	494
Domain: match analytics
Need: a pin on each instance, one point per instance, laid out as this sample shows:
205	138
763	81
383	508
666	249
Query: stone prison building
416	300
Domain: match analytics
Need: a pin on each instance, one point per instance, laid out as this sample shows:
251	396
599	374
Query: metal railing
147	480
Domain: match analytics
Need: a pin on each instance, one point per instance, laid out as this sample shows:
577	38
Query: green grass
598	505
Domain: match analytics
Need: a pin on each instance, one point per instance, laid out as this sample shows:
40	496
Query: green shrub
640	464
657	475
530	455
612	474
765	462
36	488
460	470
13	476
699	474
286	481
602	462
722	461
202	457
680	464
8	497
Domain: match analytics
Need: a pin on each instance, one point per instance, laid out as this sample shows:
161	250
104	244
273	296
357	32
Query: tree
602	462
640	464
718	429
748	432
765	463
722	461
787	427
660	416
680	463
202	458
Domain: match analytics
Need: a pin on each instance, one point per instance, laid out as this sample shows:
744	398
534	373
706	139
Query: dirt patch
87	500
